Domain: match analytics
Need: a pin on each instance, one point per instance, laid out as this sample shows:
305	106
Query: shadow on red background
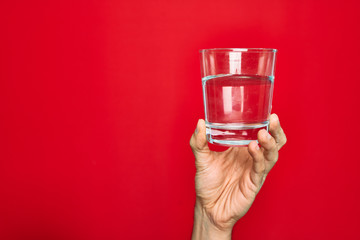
99	99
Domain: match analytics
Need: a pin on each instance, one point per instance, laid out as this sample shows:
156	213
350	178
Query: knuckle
285	139
273	146
192	142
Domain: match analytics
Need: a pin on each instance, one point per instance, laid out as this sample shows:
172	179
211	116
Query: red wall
98	100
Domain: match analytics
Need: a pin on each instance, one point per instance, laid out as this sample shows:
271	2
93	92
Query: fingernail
257	147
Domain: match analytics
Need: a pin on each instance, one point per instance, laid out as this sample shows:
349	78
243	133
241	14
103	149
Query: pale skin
227	183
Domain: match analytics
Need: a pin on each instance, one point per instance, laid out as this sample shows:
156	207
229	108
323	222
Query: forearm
205	230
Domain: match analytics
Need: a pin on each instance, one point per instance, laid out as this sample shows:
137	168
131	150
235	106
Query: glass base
233	134
240	143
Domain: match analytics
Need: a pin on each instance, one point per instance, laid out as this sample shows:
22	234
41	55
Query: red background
99	99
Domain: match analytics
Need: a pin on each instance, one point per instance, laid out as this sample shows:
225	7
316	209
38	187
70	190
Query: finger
276	131
198	140
258	169
268	143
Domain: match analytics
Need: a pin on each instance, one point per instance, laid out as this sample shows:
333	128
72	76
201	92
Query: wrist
204	228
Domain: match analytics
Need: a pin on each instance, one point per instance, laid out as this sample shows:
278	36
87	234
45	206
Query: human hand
227	183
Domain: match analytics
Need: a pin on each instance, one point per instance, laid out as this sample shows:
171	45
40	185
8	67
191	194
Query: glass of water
237	87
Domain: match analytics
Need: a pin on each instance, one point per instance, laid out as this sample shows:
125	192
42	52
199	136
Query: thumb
198	140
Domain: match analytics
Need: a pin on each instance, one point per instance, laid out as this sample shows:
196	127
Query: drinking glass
237	86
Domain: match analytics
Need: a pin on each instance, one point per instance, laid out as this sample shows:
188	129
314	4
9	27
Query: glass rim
238	50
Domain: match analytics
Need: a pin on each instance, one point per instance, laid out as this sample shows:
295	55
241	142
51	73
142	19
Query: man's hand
227	182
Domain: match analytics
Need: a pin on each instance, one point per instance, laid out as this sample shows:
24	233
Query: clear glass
237	87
